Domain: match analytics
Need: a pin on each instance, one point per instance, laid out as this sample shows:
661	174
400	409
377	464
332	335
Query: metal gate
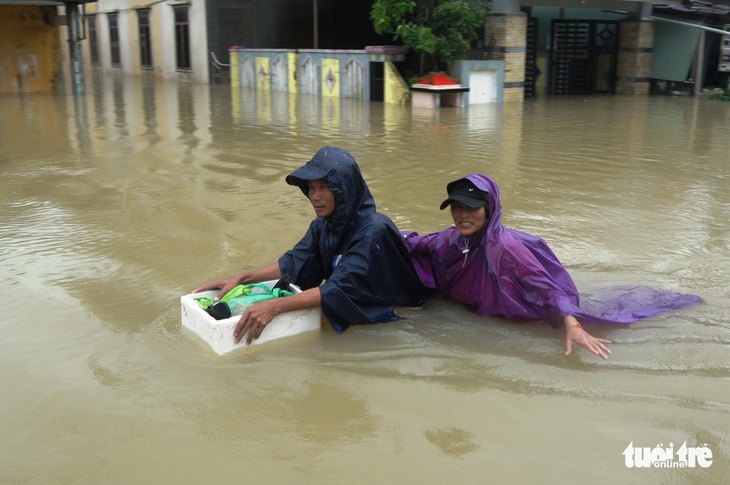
583	56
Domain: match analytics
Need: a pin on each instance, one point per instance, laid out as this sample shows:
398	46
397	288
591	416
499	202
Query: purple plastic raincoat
515	275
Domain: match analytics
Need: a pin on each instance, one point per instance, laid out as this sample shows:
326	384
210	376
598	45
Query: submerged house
544	47
604	46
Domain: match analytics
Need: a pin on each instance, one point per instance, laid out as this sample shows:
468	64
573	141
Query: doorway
583	56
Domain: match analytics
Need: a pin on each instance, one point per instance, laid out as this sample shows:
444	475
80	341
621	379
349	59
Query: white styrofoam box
219	333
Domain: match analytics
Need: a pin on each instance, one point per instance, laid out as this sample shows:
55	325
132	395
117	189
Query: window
182	38
114	39
93	40
145	43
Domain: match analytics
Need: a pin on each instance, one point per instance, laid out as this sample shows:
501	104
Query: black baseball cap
304	174
467	193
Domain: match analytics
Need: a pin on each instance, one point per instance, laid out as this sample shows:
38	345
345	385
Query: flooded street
116	203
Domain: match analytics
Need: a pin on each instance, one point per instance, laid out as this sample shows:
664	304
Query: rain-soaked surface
114	204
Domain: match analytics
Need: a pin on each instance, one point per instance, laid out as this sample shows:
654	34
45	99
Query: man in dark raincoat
498	271
357	251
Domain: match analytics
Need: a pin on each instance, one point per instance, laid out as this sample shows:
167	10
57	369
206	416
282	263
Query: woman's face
467	220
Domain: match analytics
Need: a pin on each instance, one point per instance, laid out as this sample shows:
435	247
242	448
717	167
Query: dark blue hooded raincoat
358	251
516	275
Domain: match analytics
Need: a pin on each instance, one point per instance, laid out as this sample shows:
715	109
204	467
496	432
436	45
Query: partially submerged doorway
583	56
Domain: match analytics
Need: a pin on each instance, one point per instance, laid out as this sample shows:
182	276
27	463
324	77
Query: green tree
440	31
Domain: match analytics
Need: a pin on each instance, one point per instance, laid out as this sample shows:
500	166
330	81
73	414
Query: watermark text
666	457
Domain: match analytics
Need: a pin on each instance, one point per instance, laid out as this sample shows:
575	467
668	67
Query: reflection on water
116	203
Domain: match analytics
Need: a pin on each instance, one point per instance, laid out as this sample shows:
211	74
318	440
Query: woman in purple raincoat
496	271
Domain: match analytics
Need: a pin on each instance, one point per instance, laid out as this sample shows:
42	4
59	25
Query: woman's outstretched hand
574	334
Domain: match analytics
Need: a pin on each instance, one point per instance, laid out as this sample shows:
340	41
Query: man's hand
224	285
255	319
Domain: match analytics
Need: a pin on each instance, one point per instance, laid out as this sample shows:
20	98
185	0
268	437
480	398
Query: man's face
322	199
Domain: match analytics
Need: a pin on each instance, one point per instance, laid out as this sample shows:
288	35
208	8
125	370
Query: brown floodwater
115	203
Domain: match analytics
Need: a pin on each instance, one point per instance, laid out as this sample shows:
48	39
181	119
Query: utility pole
316	24
76	56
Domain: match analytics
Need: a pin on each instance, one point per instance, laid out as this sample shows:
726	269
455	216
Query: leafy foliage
719	93
441	31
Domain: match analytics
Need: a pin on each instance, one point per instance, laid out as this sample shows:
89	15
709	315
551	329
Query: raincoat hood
341	174
500	271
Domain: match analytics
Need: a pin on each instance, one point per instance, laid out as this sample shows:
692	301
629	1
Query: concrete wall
396	89
482	89
306	71
29	47
334	73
